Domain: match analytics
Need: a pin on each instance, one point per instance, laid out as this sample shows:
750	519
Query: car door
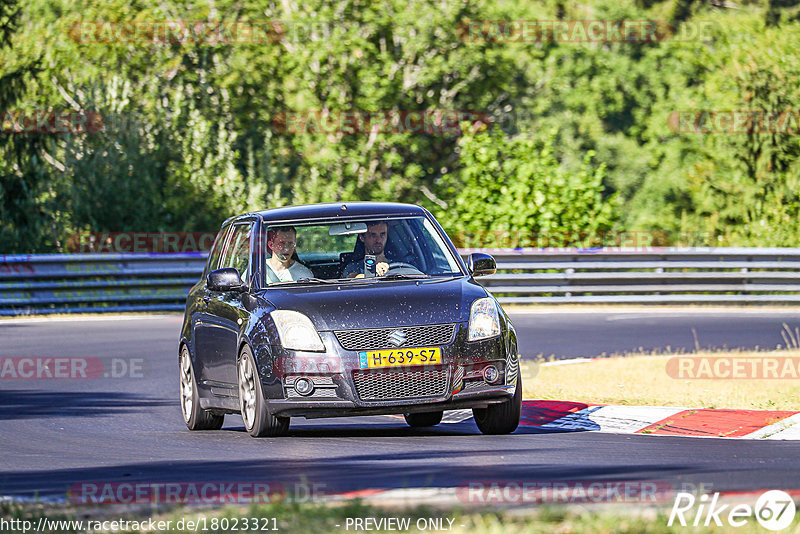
224	312
203	322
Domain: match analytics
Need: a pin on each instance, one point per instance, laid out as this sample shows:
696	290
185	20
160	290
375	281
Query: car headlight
484	320
296	331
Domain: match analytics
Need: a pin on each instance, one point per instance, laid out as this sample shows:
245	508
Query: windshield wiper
400	276
305	280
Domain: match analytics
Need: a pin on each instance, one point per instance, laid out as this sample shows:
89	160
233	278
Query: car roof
341	210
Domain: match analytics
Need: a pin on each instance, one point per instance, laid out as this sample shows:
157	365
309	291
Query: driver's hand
382	268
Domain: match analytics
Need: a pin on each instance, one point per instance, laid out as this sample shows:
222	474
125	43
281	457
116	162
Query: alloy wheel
247	391
187	387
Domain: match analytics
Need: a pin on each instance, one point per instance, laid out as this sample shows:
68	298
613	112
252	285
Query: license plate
398	357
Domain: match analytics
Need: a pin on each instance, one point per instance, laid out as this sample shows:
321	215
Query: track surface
609	331
56	433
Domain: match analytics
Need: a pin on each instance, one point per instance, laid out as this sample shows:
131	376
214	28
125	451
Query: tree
513	192
388	57
23	180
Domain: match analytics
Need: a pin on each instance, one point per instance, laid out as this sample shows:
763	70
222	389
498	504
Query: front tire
502	418
257	420
194	416
418	420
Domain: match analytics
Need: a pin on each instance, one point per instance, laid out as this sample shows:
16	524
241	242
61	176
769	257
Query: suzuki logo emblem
397	338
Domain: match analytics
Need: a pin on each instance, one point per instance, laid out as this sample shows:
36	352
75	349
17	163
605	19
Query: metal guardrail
654	276
69	283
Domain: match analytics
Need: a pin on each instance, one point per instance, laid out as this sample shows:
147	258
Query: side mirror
226	279
480	264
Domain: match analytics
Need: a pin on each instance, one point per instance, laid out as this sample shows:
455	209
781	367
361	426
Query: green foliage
25	195
756	191
395	56
512	191
735	188
585	143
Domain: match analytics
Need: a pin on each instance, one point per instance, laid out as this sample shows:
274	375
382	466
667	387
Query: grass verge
643	380
310	518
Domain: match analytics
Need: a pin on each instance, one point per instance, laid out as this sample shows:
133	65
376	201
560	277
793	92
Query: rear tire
257	420
502	418
194	416
417	420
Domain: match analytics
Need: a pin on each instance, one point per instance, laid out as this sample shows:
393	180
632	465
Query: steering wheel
400	267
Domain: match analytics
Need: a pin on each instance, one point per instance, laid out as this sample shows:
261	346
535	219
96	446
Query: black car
329	310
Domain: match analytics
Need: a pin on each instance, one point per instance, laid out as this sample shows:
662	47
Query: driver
282	266
374	243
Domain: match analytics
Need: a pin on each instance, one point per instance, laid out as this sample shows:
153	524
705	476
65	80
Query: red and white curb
655	420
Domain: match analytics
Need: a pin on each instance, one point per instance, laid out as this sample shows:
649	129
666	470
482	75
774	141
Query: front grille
319	380
475	385
318	393
378	338
406	384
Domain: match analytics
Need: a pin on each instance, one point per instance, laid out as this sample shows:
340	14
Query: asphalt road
608	331
60	432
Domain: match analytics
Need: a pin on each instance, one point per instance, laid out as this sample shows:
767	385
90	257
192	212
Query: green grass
642	380
302	518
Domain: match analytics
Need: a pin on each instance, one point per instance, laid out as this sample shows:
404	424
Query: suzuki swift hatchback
344	309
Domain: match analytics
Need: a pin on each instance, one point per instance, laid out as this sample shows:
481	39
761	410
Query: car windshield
377	249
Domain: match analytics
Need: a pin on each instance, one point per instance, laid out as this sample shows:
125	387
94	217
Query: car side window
237	253
216	249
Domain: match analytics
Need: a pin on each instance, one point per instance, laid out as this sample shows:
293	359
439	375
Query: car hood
381	303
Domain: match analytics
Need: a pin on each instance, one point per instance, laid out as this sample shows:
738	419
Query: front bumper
314	409
339	389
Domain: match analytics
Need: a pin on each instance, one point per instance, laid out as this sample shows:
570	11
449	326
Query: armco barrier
656	275
68	283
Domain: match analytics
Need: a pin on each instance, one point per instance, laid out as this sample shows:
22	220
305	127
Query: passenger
283	266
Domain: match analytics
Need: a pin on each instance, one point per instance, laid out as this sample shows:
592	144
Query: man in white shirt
281	266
